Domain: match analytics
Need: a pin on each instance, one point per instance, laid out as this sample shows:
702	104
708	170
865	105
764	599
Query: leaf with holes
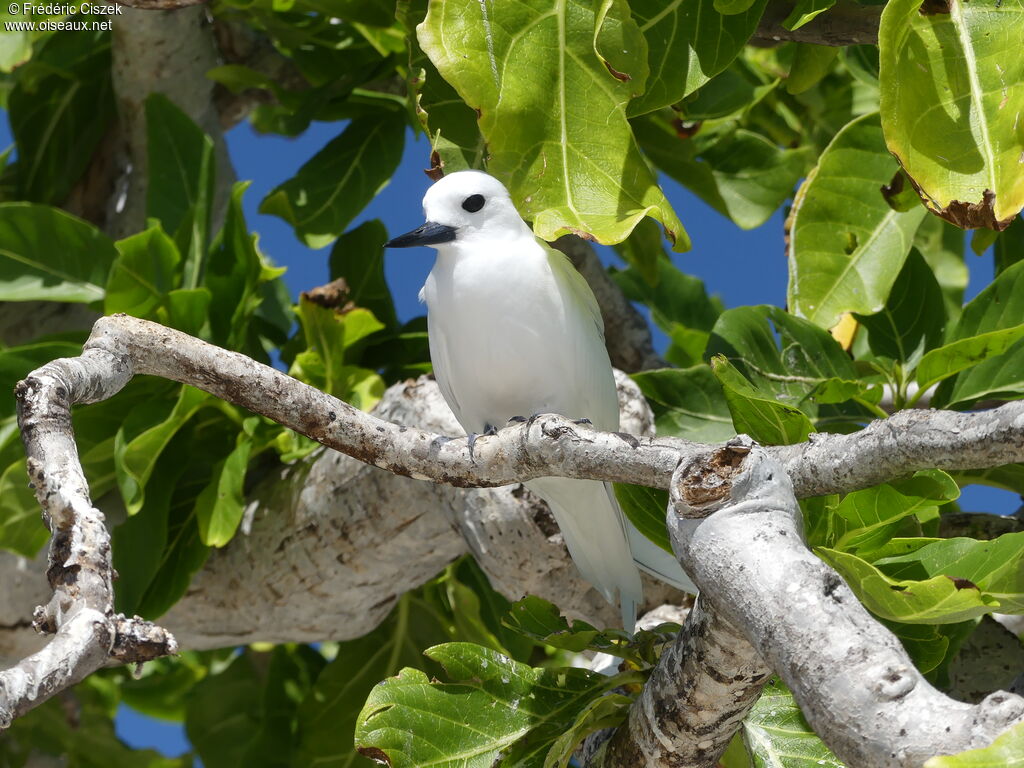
551	82
847	245
952	92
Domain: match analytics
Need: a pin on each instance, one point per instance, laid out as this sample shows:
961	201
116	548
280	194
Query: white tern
515	330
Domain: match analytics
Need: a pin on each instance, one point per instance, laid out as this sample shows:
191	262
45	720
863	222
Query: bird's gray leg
588	422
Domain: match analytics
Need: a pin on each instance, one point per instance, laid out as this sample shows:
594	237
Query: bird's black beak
429	234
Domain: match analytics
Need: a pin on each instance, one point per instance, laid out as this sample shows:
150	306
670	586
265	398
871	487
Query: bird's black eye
473	203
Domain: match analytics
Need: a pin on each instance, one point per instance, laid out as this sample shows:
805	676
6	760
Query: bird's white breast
505	337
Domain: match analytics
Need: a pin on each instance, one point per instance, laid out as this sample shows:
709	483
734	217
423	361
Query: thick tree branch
80	613
330	543
550	445
121	347
704	685
846	23
852	678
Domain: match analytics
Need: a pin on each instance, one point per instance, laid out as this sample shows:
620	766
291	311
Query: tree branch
80	613
548	445
846	23
551	445
851	677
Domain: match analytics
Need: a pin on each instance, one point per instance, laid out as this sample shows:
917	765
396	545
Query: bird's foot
517	420
588	422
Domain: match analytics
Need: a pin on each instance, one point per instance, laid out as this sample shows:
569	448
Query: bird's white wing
587	368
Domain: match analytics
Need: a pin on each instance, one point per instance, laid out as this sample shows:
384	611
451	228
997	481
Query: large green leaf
952	90
358	257
914	317
143	274
847	245
551	82
494	712
777	735
181	167
144	434
339	180
789	360
1007	751
59	109
757	413
869	518
645	508
49	255
946	581
739	173
687	403
448	121
688	43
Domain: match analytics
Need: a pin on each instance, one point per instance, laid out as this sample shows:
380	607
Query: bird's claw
517	420
588	422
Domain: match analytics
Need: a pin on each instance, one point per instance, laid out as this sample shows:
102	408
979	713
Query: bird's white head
465	206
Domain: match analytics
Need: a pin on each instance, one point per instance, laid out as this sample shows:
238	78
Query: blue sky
741	267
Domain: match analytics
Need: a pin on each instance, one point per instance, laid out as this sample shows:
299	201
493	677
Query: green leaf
21	525
688	43
847	246
143	274
1009	248
757	413
687	403
914	317
645	508
776	733
946	361
334	338
790	364
606	712
49	255
338	181
327	716
811	62
219	507
182	167
444	117
233	275
358	257
925	643
805	11
1007	751
566	173
987	341
937	600
188	310
678	302
992	566
59	111
223	715
145	433
952	85
741	174
942	246
867	519
494	707
140	542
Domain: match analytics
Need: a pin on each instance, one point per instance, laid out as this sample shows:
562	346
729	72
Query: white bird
515	330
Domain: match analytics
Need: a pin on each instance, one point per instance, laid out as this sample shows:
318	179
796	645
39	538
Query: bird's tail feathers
596	535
